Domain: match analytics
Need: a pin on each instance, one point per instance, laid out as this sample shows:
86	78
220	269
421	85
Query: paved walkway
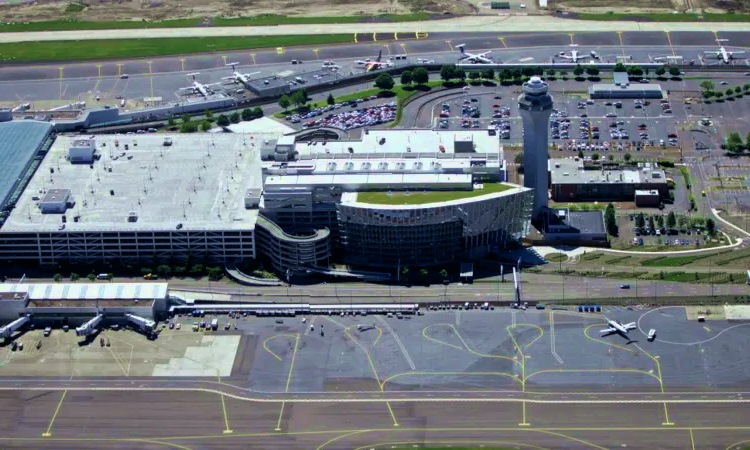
499	24
572	252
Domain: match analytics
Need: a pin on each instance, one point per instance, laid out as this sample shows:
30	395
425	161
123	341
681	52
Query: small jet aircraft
474	58
575	56
239	78
374	65
198	87
722	54
617	327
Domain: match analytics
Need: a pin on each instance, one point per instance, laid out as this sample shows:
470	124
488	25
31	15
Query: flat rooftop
200	182
422	198
19	142
65	292
398	142
570	171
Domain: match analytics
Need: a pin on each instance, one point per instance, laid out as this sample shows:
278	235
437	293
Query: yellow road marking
227	430
395	36
692	441
252	55
48	433
500	374
182	62
502	40
670	43
355	38
280	50
571	37
291	366
375	37
403	48
523	423
265	347
281	413
593	370
331	441
571	438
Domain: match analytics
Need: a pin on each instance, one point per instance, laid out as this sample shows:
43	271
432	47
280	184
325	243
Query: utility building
535	107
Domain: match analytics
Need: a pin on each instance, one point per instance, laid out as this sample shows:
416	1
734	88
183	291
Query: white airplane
239	78
474	58
725	56
616	327
575	56
374	65
198	87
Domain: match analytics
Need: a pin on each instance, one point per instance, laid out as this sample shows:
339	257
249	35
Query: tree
186	118
188	127
734	142
592	71
563	73
719	95
284	101
488	74
257	112
222	120
330	100
595	156
235	117
205	125
247	114
448	72
74	277
710	226
578	71
620	67
551	73
164	270
407	77
671	220
444	273
171	122
420	75
215	273
627	156
405	272
640	220
474	75
57	277
746	87
384	81
518	159
729	92
674	71
707	94
661	71
708	85
196	269
660	221
747	140
610	220
737	90
298	98
580	154
424	273
207	113
91	277
505	74
527	71
611	157
460	74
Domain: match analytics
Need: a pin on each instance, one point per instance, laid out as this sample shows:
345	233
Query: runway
162	77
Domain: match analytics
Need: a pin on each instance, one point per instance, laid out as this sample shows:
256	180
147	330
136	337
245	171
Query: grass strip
676	261
665	17
59	51
263	20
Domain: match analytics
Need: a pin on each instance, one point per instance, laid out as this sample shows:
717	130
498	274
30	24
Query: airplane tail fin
380	55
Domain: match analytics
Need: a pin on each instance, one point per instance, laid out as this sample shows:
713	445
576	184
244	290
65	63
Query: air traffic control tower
535	106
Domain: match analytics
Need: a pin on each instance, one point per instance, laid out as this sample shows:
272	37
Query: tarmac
511	378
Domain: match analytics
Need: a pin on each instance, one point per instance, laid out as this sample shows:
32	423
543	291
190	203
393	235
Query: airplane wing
711	52
607	331
737	53
482	55
630	326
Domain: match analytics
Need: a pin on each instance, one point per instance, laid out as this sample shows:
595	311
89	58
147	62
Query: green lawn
676	261
73	24
666	17
421	198
556	257
49	51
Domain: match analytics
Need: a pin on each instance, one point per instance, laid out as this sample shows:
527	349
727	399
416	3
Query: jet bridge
88	328
145	325
8	330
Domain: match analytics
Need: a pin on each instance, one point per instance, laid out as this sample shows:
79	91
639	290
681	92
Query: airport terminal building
391	198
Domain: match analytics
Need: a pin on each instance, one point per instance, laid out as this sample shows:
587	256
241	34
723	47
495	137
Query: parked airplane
374	65
616	327
725	56
575	56
239	78
474	58
198	87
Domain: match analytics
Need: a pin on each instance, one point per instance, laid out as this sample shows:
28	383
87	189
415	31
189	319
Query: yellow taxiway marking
499	374
227	430
571	37
48	433
716	34
288	381
151	77
388	48
736	445
331	441
421	34
355	38
403	48
316	51
374	371
280	50
375	37
182	64
593	370
224	59
669	38
707	329
692	440
502	41
281	413
622	46
450	443
450	45
395	36
524	423
252	56
119	69
465	345
265	346
552	433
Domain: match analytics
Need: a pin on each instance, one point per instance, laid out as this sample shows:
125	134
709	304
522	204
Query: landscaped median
665	17
60	51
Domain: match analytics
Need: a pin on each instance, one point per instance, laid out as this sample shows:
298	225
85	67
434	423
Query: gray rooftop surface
571	171
587	221
19	141
200	181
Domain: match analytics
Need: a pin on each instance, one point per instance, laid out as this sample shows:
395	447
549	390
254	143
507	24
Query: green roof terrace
424	197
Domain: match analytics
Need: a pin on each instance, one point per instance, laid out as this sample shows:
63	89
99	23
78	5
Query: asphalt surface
162	77
526	379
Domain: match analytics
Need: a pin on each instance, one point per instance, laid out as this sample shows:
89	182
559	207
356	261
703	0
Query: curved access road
499	24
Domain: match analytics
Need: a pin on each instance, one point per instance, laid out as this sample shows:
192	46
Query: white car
178	326
651	335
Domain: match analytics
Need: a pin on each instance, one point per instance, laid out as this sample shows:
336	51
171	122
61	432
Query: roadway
495	23
162	77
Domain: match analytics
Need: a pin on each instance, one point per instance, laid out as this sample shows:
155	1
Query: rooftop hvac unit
132	216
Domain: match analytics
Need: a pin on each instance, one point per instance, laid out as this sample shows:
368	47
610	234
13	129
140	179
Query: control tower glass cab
535	106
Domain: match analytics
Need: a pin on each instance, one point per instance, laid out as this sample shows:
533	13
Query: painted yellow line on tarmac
227	430
552	433
291	366
499	374
281	413
265	347
424	333
669	38
540	329
592	371
585	333
375	37
502	40
450	45
48	433
403	48
355	38
692	440
331	441
395	36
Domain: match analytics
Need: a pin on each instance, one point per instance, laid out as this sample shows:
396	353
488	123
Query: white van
101	276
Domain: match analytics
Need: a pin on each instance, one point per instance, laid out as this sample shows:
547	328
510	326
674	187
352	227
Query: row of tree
709	92
671	222
163	270
734	142
188	125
